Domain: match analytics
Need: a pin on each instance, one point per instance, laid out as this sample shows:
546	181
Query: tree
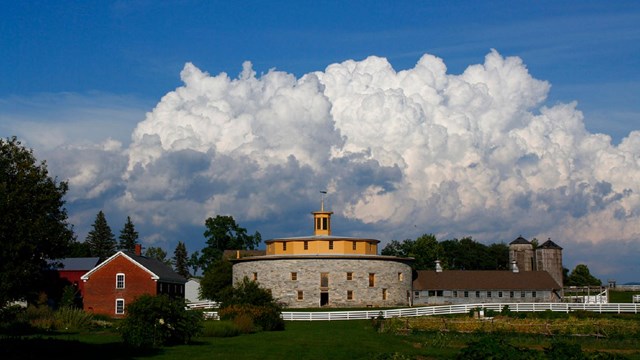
216	284
157	253
425	250
223	233
468	254
581	276
180	260
397	248
78	249
101	240
196	262
498	256
33	221
128	236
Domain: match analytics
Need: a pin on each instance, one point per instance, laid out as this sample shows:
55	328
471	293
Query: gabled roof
157	269
550	245
484	280
520	240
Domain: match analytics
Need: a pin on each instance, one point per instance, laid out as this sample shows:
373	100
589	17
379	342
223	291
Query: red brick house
123	277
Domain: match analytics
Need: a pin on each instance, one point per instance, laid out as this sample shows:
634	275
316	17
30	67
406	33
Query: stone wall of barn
333	282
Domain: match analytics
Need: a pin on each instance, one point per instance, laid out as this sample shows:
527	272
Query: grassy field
300	340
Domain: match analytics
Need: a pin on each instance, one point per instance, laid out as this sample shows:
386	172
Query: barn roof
75	264
484	280
520	240
550	245
156	268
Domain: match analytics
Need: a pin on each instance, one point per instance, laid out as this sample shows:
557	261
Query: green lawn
622	296
300	340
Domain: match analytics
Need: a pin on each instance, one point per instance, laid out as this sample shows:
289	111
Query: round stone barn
327	270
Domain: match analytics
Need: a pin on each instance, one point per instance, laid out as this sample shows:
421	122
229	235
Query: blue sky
83	82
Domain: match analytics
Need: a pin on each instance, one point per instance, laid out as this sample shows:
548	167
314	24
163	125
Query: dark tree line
454	254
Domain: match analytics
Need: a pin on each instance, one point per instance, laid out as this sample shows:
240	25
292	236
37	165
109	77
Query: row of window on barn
477	294
324	278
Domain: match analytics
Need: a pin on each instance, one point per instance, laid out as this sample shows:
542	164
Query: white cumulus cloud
419	150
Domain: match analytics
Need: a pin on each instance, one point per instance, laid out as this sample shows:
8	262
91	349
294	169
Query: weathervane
323	192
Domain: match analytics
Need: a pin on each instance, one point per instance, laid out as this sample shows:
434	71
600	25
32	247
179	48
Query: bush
154	321
564	351
68	318
266	318
220	328
40	317
12	321
248	299
491	347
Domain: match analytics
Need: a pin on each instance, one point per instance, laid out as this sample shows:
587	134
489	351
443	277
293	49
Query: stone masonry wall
394	276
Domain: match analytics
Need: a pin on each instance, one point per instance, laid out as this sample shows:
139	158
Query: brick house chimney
138	250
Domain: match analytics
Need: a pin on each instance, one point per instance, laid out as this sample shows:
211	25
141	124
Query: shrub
561	350
266	318
12	321
244	323
491	347
40	317
220	328
248	299
154	321
68	318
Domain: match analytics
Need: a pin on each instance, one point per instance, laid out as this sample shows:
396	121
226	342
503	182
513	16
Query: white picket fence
449	310
200	305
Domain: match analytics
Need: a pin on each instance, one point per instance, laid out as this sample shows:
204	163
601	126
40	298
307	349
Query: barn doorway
324	298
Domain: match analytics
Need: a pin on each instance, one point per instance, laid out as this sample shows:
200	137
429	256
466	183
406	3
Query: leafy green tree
468	254
155	321
128	236
101	240
397	248
498	257
223	233
581	276
157	253
196	262
454	254
216	284
425	250
33	221
180	260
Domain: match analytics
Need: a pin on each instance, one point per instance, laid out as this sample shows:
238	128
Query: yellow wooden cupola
322	221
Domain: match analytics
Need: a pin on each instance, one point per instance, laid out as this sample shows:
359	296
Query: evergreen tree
128	236
101	240
180	260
